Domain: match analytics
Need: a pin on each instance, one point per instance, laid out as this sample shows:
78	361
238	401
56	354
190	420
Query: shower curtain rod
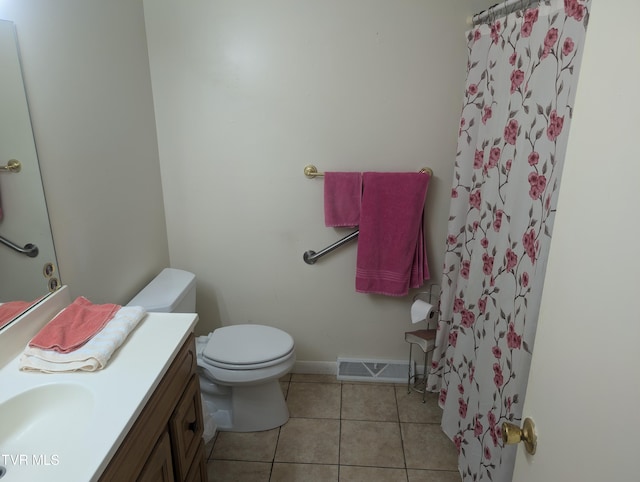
500	10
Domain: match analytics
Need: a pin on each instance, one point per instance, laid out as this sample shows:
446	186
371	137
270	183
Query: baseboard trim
315	367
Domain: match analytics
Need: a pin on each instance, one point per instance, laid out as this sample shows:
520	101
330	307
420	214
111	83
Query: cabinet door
186	429
198	471
158	467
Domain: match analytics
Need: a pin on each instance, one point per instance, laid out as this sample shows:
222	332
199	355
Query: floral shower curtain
522	73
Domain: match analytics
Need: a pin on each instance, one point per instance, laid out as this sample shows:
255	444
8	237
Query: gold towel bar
310	257
12	166
311	171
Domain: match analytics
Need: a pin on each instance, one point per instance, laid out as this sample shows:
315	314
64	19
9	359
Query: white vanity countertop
115	396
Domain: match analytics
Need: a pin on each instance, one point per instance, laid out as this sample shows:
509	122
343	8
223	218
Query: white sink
41	419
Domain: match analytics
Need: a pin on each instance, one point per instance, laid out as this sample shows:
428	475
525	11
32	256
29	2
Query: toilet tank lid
165	291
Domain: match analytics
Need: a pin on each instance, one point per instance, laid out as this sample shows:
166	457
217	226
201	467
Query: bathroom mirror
28	267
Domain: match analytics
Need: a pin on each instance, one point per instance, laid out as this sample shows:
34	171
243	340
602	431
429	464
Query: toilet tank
172	291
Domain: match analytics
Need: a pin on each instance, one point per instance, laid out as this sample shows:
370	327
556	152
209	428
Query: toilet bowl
238	365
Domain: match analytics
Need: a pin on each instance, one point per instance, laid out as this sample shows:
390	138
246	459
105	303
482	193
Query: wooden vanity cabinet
159	466
185	428
165	443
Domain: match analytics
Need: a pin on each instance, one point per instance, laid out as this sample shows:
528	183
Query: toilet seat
247	347
253	366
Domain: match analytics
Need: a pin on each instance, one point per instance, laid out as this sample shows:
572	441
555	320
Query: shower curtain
522	72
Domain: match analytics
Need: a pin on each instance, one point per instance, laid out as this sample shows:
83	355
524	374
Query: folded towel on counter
391	253
342	195
11	309
74	326
91	356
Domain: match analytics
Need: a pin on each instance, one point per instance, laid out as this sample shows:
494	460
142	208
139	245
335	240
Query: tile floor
341	431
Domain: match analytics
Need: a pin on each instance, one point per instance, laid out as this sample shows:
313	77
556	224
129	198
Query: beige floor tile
433	476
369	402
254	446
228	471
370	383
314	400
427	447
284	386
208	448
377	422
304	473
314	378
350	473
312	441
372	444
411	409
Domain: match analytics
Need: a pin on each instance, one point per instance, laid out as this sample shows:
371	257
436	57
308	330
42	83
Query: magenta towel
342	194
74	326
391	252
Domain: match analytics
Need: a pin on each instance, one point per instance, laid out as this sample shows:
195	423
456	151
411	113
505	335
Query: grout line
340	430
404	454
275	449
339	465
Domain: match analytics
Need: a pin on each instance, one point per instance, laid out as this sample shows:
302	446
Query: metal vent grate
390	371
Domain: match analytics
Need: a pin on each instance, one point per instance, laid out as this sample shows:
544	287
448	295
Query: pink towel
10	309
391	253
74	326
342	194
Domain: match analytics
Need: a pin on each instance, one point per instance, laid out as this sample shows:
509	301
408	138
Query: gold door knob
512	434
12	166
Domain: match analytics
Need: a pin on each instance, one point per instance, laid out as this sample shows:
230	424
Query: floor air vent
389	371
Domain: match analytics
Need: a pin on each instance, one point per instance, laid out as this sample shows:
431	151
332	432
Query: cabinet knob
193	426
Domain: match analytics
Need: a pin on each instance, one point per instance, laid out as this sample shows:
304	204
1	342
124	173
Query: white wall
246	94
87	78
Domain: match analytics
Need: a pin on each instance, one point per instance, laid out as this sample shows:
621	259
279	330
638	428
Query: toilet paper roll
420	310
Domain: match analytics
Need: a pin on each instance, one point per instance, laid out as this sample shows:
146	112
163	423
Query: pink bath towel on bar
342	195
74	326
391	253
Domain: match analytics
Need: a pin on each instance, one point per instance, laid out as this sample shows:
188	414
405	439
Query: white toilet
239	365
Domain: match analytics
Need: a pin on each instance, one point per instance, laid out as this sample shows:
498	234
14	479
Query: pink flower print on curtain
521	82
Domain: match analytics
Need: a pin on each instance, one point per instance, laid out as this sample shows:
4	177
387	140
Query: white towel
93	355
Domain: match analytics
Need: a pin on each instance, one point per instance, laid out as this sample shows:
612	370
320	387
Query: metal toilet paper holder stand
426	340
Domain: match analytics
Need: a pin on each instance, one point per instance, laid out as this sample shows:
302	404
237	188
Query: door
584	388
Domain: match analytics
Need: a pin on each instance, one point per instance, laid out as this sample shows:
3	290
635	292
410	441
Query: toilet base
246	408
